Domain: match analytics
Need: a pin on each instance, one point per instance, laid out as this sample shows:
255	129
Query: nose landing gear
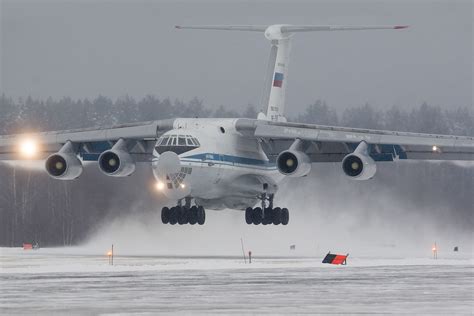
183	214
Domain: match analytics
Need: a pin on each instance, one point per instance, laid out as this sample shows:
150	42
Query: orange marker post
110	255
435	251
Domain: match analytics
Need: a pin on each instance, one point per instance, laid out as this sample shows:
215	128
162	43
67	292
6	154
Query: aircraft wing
333	143
90	143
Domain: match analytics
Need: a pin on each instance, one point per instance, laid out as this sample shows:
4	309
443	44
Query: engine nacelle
63	166
293	163
116	163
359	165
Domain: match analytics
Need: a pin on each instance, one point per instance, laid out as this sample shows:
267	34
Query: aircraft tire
165	215
192	215
268	218
173	215
249	215
257	215
285	216
182	215
201	215
277	216
185	215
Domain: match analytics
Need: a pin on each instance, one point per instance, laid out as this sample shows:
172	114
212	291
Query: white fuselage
223	169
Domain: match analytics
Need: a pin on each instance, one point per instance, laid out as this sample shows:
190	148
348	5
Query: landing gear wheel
249	215
277	216
257	216
285	216
192	215
201	215
182	215
173	216
165	215
268	216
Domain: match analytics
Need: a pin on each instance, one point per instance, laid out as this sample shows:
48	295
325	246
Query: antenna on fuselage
273	96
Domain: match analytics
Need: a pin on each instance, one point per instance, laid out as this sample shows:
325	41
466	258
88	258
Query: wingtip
399	27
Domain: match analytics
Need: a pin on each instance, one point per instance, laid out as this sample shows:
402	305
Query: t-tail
276	77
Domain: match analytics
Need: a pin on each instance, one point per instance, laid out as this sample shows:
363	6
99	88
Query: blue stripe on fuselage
231	159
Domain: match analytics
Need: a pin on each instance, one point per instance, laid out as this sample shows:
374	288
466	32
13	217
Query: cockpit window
189	141
176	143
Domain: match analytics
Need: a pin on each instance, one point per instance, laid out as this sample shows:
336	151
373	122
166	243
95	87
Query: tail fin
279	35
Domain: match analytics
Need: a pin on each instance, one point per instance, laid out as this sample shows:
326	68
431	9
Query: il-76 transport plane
213	163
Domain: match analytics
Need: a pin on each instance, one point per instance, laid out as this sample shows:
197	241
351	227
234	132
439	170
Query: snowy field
65	280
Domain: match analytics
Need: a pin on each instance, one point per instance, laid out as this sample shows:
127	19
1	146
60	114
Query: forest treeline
36	208
18	115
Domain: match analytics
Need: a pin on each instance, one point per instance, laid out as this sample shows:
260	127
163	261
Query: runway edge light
110	255
435	251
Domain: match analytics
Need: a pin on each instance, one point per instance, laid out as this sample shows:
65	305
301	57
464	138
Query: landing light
435	148
28	148
182	185
160	185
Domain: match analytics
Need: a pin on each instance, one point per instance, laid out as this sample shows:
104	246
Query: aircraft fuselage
220	167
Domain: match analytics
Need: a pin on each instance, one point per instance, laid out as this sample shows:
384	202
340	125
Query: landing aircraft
215	163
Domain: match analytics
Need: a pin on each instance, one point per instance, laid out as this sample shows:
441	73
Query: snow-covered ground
64	280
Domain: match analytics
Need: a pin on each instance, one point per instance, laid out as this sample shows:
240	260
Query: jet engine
117	162
64	165
294	162
359	165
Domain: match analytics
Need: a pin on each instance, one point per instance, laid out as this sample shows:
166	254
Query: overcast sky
86	48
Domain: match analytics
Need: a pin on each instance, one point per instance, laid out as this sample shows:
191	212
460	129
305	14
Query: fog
82	49
328	212
25	165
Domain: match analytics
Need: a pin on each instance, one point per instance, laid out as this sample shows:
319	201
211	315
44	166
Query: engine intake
359	165
117	162
294	162
64	165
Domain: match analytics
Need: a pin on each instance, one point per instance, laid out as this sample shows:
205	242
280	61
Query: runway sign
27	246
335	259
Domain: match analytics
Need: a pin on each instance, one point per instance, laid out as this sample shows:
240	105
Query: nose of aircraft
170	178
167	163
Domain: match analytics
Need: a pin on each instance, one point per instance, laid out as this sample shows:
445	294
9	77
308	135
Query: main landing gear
275	216
183	214
266	214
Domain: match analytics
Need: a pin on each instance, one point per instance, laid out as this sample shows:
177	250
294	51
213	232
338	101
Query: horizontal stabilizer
319	28
286	28
251	28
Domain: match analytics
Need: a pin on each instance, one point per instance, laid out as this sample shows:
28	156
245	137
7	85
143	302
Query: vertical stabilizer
277	81
267	85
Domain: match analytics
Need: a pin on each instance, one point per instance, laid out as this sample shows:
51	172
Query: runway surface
62	281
